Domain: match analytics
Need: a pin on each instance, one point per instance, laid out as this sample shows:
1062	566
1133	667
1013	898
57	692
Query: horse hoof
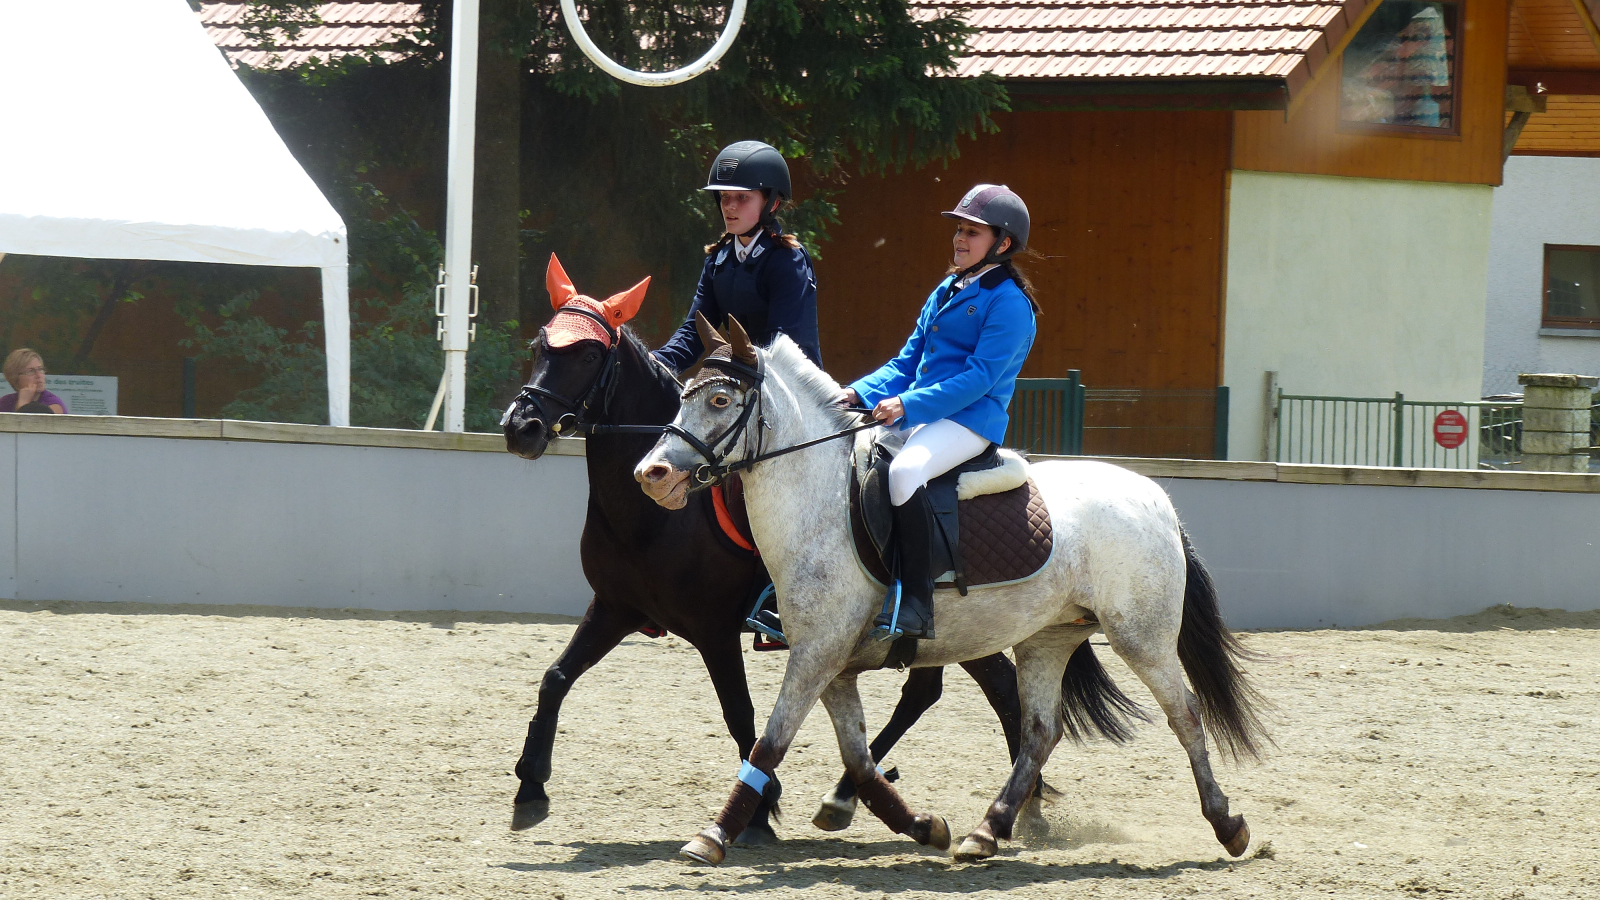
835	814
977	846
1240	841
938	832
757	836
705	848
527	815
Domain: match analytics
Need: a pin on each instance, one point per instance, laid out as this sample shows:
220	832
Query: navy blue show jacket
773	292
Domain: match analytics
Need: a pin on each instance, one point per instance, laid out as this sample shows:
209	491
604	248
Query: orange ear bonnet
566	330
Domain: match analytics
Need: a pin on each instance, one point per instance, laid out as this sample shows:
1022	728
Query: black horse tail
1212	657
1092	702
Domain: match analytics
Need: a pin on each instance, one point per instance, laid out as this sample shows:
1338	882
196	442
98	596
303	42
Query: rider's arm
790	287
1003	344
684	348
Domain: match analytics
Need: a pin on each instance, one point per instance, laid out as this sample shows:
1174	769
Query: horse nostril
656	472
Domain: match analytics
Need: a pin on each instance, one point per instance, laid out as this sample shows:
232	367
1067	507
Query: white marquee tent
125	135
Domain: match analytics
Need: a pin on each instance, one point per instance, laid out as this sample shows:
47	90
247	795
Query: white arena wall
1353	287
177	511
1544	200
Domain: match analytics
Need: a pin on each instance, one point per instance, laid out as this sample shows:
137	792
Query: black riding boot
913	538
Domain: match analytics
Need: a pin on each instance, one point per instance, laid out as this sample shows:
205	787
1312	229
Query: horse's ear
743	350
558	284
710	339
624	306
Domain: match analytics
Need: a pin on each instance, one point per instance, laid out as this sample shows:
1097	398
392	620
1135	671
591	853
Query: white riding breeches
930	451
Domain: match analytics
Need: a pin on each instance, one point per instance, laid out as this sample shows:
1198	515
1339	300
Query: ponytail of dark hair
1023	282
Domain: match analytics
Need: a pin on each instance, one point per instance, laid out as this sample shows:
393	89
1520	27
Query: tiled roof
346	28
1148	39
1019	40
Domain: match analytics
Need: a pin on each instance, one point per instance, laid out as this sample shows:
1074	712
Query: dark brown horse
655	569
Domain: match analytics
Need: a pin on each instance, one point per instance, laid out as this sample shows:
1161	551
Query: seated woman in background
24	369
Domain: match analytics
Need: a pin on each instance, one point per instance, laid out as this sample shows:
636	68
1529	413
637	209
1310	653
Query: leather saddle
993	525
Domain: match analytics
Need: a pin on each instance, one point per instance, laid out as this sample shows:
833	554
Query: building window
1402	69
1571	286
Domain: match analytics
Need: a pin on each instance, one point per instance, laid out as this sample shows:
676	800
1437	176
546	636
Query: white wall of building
1351	287
1544	200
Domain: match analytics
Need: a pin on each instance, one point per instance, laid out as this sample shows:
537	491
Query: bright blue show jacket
962	360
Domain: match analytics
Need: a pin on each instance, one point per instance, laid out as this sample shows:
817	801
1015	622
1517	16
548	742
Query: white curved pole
730	30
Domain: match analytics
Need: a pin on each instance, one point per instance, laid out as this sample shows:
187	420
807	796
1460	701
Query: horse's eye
721	401
591	357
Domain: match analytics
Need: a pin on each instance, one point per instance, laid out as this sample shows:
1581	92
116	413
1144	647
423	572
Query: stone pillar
1555	422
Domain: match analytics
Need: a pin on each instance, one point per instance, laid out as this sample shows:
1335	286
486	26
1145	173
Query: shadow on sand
804	863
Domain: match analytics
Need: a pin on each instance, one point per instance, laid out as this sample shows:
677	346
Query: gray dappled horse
1122	565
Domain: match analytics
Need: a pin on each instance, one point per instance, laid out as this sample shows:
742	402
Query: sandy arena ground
189	751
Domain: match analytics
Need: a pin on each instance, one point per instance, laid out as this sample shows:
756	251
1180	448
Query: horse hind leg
921	691
1041	660
843	703
1162	673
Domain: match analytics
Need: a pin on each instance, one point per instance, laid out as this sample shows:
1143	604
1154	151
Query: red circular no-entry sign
1450	429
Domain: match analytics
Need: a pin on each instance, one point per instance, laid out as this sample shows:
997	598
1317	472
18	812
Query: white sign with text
86	395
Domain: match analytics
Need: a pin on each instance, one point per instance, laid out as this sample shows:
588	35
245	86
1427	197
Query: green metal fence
1047	415
1062	416
1394	431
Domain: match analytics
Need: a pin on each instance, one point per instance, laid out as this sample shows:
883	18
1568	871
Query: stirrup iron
774	637
891	607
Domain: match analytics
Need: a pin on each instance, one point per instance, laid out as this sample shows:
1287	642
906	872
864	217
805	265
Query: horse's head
572	363
714	417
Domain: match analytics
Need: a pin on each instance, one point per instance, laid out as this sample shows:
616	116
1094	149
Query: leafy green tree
570	161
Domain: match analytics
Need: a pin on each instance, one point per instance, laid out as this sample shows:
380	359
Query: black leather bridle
715	450
576	419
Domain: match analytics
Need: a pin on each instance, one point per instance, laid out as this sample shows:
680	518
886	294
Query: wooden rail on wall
1218	470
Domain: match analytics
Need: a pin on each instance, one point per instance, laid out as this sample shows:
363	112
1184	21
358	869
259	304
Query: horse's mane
653	368
807	381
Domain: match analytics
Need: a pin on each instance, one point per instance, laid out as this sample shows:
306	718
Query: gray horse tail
1212	658
1091	702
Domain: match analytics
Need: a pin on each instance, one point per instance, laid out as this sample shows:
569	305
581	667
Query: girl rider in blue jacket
951	384
754	272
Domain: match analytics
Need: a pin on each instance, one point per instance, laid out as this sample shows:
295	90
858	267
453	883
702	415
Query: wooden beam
1586	15
1520	99
1557	81
1332	60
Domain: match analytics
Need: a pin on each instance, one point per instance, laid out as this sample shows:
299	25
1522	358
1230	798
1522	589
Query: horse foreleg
603	627
1041	660
725	663
921	691
843	702
803	680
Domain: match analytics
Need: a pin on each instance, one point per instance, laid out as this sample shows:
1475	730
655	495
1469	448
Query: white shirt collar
961	284
741	250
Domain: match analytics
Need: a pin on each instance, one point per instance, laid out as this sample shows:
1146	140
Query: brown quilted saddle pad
1005	537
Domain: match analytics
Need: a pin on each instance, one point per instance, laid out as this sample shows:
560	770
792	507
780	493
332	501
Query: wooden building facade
1217	195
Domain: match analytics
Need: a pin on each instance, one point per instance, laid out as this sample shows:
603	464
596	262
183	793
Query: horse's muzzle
526	435
665	484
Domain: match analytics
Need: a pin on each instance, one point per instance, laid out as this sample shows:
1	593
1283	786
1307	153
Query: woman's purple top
8	403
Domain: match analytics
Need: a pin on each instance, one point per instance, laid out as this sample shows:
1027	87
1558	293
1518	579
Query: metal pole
1074	429
458	209
1399	429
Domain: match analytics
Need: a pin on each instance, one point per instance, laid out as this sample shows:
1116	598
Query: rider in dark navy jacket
755	272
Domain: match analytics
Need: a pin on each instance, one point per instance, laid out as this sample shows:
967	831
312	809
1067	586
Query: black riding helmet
750	166
1000	208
